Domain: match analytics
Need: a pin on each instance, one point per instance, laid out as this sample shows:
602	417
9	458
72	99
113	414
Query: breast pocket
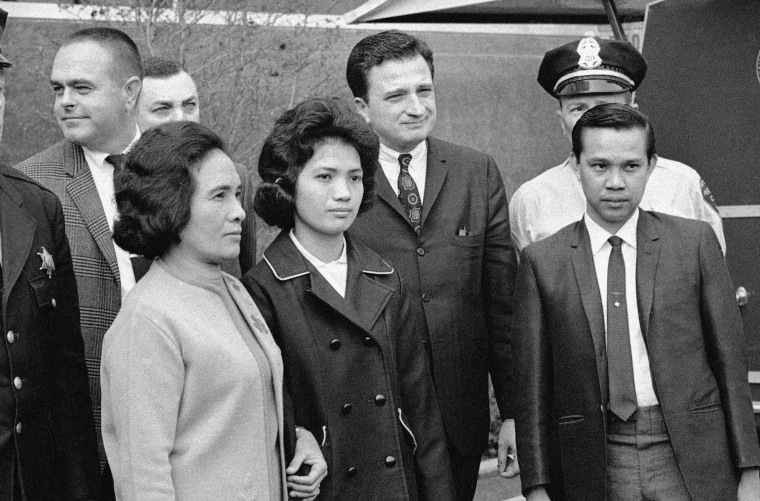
467	240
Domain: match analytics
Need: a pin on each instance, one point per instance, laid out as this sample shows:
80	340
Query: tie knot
404	160
615	241
116	160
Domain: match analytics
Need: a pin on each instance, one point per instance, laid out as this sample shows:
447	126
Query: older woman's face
213	232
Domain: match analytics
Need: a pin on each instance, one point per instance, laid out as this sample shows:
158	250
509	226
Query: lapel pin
47	262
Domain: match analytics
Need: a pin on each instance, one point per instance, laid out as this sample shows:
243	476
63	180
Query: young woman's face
328	192
213	232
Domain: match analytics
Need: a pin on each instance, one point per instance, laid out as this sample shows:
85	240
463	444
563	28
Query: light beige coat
183	415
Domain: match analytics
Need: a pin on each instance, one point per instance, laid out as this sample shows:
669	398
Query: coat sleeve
71	409
533	374
142	377
419	404
726	349
499	270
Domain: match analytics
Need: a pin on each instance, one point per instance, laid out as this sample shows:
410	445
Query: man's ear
575	164
651	166
562	122
361	108
132	91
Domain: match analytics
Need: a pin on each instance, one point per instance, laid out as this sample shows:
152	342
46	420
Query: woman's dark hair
291	144
155	186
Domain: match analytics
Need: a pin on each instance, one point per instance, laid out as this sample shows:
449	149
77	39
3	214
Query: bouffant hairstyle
156	185
296	135
374	50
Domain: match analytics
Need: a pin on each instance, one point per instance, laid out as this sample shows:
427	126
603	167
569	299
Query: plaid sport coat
62	168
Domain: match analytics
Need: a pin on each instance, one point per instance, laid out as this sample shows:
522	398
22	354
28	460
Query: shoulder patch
707	195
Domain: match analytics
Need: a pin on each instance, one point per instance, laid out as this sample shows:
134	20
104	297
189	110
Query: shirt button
18	429
425	297
335	344
54	303
346	409
380	400
368	341
17	382
351	472
390	462
10	336
420	251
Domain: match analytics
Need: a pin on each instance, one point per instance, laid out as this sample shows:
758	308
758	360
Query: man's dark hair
375	49
612	116
296	135
156	185
159	67
126	56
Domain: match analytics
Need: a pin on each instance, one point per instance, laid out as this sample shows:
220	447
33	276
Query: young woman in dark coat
355	369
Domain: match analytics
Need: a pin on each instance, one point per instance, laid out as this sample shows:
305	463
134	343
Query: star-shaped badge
47	262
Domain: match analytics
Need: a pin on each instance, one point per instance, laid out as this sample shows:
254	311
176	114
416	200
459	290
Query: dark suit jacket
462	283
45	416
695	341
363	350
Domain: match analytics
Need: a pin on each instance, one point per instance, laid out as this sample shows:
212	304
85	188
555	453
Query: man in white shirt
96	79
628	344
581	75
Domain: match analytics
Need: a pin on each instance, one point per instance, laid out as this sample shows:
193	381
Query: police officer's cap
592	65
4	63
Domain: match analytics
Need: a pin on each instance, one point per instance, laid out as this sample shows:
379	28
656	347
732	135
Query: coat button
335	344
425	297
346	410
420	251
17	382
368	341
10	336
351	472
390	462
380	400
18	428
53	302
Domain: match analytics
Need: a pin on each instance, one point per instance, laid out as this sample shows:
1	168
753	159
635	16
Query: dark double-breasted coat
356	374
46	423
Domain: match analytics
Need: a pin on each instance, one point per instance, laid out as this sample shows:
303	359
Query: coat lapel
648	253
385	193
585	275
437	169
17	229
84	194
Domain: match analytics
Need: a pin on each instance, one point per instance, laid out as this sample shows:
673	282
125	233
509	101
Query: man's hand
537	494
749	485
307	453
508	465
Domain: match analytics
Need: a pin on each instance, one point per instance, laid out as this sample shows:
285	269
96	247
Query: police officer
580	75
47	436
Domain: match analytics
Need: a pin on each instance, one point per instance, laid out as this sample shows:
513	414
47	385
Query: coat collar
18	229
365	299
437	169
647	256
84	194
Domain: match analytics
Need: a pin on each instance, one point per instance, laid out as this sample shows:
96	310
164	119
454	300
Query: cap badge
47	262
588	49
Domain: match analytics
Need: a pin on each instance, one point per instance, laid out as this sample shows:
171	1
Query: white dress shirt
102	174
601	249
417	167
335	272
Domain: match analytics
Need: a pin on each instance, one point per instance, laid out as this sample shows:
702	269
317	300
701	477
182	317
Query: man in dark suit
629	346
47	437
441	218
96	78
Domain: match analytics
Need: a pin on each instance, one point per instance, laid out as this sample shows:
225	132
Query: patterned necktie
407	192
619	363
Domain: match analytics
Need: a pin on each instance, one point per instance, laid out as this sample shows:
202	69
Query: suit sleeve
532	353
499	270
419	405
726	349
71	409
